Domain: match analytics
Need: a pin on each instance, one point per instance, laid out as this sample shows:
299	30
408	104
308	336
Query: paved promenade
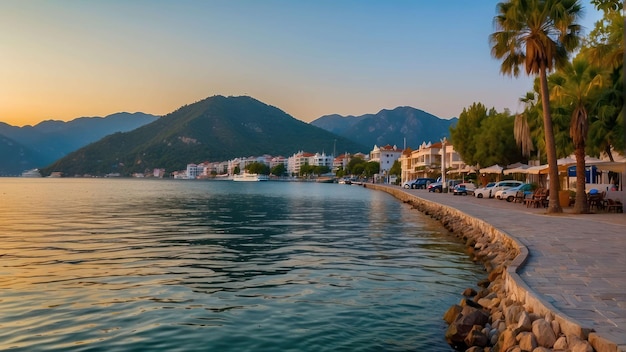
577	263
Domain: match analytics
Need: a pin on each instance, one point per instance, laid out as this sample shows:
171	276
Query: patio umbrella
493	169
521	169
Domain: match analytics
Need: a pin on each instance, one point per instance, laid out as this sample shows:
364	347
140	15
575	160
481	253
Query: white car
510	193
409	184
502	185
484	192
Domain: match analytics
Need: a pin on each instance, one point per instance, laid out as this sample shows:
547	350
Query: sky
64	59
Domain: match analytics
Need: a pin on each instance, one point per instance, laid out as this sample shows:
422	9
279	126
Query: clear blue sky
62	59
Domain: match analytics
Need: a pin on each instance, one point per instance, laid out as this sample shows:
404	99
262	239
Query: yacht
250	177
31	173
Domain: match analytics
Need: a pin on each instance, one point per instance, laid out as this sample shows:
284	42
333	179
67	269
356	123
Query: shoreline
503	255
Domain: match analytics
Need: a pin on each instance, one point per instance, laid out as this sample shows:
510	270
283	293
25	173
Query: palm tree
604	47
577	91
521	129
539	35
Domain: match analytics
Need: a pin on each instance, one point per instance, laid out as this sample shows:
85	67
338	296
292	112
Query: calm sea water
158	265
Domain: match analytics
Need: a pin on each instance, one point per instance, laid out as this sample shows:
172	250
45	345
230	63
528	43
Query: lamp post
444	183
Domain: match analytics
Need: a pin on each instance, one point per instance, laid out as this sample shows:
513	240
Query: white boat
250	177
31	173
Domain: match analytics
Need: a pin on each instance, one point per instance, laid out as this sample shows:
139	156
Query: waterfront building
426	161
385	156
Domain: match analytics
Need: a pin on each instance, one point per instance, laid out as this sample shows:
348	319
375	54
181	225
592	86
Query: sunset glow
64	59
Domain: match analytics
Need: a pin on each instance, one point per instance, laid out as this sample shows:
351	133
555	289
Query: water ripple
106	265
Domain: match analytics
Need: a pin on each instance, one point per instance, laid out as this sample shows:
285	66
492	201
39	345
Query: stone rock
561	344
527	341
511	314
469	292
578	345
543	332
485	302
463	324
476	338
556	327
469	303
483	283
524	323
475	349
542	349
505	341
452	313
495	274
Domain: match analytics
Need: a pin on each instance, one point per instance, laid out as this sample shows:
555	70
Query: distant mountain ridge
389	127
217	128
40	145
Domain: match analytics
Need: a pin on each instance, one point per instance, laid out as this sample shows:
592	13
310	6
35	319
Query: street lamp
444	184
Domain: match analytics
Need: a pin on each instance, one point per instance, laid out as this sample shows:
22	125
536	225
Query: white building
385	156
426	161
295	162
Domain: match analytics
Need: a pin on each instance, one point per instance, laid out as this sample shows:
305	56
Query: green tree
577	92
371	168
539	35
278	170
306	170
258	168
356	166
494	144
604	47
396	169
483	136
521	127
463	135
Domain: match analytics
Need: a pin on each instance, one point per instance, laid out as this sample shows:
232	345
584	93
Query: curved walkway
577	262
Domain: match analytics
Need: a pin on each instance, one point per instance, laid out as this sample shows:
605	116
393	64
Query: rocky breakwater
502	313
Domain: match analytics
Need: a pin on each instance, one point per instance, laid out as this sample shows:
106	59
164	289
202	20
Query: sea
175	265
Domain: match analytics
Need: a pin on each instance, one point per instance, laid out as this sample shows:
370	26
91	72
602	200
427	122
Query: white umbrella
493	169
521	169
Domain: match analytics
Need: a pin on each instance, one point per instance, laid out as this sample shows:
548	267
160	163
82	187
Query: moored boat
246	177
31	173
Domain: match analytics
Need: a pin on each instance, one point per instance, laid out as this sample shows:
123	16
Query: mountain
42	144
389	127
217	128
16	157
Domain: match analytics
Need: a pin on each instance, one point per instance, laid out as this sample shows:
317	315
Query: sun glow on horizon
68	60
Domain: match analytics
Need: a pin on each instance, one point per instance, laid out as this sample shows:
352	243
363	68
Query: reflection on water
97	264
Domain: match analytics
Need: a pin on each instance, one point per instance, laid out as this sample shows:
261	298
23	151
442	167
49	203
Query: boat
31	173
246	177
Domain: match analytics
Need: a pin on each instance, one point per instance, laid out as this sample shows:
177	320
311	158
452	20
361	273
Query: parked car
484	192
409	184
464	188
422	183
437	187
504	185
509	193
419	183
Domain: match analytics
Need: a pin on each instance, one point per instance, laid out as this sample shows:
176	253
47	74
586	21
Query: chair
519	197
530	198
596	200
539	198
614	205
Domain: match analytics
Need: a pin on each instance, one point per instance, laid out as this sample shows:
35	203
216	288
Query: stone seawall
503	256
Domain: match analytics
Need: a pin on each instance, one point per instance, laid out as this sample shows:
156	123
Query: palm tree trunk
553	170
581	206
